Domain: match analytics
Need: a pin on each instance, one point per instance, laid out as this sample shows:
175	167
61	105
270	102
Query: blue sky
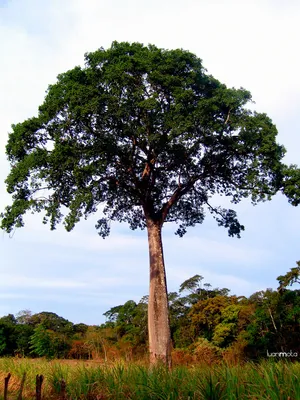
78	275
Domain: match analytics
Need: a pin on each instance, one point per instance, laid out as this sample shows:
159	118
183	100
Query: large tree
148	134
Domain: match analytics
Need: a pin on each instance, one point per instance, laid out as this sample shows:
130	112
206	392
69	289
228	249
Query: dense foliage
149	134
206	324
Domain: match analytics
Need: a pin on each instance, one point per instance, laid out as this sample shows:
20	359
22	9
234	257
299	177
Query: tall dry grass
121	380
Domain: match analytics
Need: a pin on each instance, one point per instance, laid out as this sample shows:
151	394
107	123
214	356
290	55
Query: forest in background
207	324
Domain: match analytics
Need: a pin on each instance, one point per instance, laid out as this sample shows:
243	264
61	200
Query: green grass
118	381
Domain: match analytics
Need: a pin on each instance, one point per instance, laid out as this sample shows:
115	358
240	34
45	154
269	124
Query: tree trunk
158	309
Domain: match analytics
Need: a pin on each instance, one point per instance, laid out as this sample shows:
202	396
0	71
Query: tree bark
158	309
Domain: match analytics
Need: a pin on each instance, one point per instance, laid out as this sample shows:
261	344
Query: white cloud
24	282
12	296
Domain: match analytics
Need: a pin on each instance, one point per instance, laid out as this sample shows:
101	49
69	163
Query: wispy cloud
24	282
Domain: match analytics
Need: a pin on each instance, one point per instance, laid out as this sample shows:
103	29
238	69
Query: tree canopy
291	277
143	128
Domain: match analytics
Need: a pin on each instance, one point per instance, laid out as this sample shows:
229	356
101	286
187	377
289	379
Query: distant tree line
206	323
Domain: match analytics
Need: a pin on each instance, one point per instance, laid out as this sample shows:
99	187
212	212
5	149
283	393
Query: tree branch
179	192
227	119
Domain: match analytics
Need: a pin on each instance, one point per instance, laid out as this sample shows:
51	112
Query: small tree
291	277
47	343
41	343
149	134
192	285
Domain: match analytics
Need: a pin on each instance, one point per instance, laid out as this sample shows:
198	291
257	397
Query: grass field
92	380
